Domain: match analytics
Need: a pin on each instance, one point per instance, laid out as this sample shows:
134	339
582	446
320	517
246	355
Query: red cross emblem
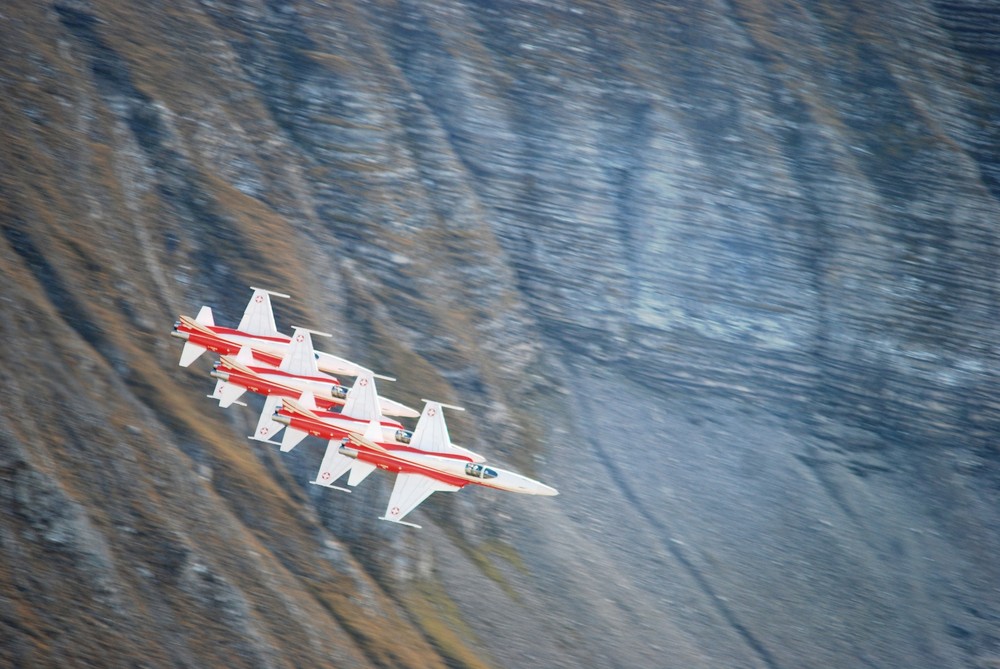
325	476
395	511
300	338
263	430
363	382
431	411
258	299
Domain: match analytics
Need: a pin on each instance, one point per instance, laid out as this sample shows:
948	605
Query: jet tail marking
362	400
258	317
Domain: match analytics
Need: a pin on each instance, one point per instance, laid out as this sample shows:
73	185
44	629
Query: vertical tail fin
431	433
205	317
300	357
362	400
258	317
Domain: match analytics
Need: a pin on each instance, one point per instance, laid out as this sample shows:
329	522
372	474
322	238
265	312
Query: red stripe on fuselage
320	428
385	422
390	463
225	347
218	329
277	372
262	386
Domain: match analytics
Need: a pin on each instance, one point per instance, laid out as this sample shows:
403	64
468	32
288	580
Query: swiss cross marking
258	299
395	511
325	476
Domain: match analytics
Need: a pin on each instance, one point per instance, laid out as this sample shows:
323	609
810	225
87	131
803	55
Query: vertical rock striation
724	273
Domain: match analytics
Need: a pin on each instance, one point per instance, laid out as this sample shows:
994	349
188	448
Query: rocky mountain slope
724	273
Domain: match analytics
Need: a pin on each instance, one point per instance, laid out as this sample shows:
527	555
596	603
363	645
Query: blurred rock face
724	274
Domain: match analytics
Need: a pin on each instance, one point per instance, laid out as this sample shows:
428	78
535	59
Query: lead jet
429	464
256	329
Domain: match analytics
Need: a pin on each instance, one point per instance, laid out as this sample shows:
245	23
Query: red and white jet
430	463
296	375
364	406
256	329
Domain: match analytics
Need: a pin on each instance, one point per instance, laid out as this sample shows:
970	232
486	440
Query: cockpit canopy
480	471
404	436
338	392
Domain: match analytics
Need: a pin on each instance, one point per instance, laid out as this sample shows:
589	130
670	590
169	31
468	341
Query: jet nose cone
546	490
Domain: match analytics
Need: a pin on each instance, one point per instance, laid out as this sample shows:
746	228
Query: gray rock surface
724	273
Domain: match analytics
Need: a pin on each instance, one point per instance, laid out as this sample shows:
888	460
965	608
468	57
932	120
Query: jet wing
410	490
359	472
333	466
228	394
190	353
267	427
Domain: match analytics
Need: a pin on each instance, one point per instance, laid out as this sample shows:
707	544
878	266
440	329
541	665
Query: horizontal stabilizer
359	472
446	406
229	393
291	438
190	353
333	364
390	407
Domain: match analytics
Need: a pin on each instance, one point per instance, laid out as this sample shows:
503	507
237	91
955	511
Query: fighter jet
256	329
297	374
364	405
430	463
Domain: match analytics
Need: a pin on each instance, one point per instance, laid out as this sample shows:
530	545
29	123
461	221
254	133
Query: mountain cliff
723	273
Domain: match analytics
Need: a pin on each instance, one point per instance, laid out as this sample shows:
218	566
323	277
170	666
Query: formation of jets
303	397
